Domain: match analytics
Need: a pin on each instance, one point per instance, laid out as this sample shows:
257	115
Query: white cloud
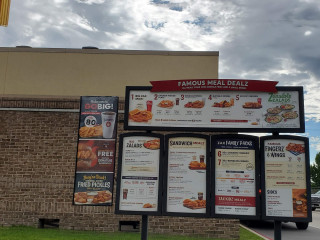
315	143
307	33
89	2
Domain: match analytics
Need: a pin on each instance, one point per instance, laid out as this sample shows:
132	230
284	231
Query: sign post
277	230
144	229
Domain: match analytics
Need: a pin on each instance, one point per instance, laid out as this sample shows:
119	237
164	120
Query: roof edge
108	51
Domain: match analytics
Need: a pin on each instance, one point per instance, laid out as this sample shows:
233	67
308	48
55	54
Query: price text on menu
285	178
235	183
139	174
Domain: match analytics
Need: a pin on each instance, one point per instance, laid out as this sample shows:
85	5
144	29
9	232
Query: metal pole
277	230
144	228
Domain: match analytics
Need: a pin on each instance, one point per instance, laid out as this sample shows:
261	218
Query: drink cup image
202	158
108	123
149	106
125	193
259	100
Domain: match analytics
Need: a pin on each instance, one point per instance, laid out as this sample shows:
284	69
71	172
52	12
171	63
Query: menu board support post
277	230
144	228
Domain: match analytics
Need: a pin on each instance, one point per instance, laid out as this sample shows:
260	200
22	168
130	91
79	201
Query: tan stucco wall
79	72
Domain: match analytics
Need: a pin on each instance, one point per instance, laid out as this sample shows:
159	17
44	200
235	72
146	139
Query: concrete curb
258	234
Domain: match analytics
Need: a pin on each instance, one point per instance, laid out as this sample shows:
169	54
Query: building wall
95	72
38	141
39	129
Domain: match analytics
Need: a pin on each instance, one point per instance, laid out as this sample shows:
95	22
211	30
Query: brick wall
37	167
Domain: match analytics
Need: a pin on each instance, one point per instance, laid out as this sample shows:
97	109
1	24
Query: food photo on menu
137	115
197	165
252	105
194	203
91	132
152	144
224	103
166	104
95	155
299	201
195	104
281	113
95	197
93	188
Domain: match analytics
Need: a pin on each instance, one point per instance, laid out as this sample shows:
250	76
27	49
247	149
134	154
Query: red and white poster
285	178
186	181
214	109
139	184
235	181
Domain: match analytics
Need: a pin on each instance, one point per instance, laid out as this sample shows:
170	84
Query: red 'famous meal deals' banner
214	85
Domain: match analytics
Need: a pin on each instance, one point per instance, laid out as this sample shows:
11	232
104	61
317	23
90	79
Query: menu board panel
96	151
285	177
235	175
212	110
139	173
187	175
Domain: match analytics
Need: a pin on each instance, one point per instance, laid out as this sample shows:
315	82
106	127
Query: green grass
31	233
247	235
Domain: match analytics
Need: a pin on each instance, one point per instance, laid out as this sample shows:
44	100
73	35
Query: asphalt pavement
289	230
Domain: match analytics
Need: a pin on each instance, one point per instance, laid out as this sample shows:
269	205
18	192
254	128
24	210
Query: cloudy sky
263	40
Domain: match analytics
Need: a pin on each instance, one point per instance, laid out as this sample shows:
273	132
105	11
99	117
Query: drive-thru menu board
213	110
96	151
187	175
285	185
139	173
236	177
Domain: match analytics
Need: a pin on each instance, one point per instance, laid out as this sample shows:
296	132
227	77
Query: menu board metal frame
119	174
276	129
263	180
236	137
207	181
97	135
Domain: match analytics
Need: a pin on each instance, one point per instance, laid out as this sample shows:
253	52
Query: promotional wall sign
235	111
96	151
285	178
187	175
139	174
235	176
